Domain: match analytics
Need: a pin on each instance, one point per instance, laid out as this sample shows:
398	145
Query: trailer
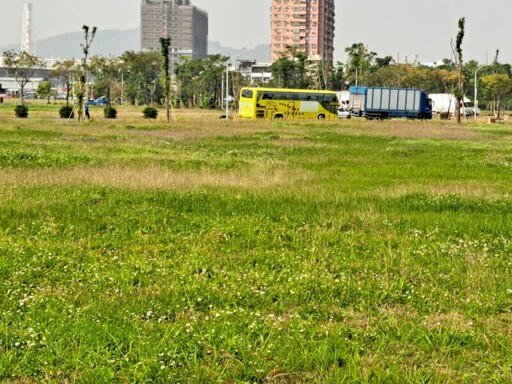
356	100
386	103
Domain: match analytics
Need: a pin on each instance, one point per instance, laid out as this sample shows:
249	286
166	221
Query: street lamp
122	88
475	103
227	88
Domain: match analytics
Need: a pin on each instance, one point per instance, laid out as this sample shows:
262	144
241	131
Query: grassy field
213	251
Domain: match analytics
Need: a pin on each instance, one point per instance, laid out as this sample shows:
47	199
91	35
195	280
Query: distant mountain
260	53
106	43
116	42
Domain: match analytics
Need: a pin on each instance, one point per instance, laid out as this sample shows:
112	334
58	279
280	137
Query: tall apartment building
186	25
307	25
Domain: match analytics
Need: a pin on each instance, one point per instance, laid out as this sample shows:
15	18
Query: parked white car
343	113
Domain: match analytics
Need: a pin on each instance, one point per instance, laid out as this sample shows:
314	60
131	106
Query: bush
150	113
66	112
444	115
110	113
21	111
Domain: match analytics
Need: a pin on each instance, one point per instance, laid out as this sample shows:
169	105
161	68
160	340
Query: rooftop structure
306	25
185	24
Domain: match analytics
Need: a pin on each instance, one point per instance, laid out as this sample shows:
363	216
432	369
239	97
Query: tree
497	86
165	43
237	82
302	81
142	71
44	90
291	71
336	77
210	81
322	75
283	73
449	80
447	64
21	65
82	84
359	62
459	91
381	62
66	71
105	72
187	74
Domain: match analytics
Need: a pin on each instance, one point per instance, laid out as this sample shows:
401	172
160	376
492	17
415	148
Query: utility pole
227	88
227	84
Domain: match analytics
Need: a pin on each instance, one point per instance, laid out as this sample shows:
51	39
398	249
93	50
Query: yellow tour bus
280	103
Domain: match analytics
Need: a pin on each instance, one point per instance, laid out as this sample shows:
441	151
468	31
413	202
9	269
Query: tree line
136	77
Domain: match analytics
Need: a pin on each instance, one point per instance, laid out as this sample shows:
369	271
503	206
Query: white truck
343	98
445	103
357	97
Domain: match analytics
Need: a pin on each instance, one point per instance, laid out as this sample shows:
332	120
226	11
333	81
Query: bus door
265	105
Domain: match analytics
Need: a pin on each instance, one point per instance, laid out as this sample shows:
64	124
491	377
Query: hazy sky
404	29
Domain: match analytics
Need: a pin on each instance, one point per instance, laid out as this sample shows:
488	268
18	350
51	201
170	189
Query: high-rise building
186	25
306	25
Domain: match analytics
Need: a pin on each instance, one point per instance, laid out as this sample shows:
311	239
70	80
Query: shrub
444	115
21	111
66	112
110	113
150	113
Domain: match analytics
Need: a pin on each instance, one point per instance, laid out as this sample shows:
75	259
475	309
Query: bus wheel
278	116
321	117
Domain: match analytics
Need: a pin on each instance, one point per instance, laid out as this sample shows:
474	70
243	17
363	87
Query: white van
445	102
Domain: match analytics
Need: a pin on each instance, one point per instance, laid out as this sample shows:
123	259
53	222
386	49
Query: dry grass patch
152	177
412	129
278	377
355	319
466	189
453	321
500	324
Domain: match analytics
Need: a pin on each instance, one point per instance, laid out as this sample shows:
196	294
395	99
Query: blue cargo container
357	89
386	103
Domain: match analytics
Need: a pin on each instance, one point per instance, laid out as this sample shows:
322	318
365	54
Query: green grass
208	251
